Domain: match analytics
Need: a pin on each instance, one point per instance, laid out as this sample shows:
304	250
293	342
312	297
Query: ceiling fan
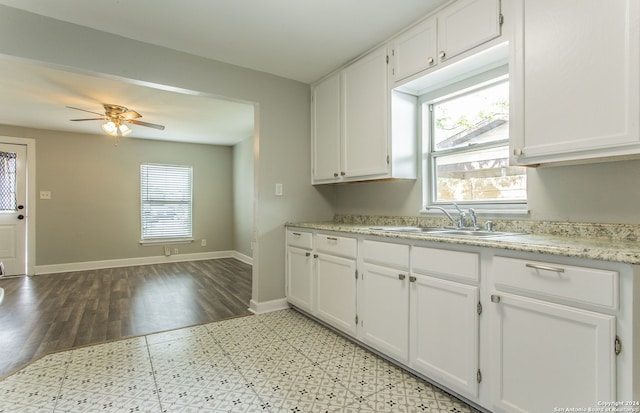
116	117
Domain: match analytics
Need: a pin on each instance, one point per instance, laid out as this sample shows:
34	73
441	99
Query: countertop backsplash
622	232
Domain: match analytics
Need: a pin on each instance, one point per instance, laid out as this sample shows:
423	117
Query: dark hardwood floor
53	312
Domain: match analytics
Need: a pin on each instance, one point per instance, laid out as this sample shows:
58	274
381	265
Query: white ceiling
37	97
296	39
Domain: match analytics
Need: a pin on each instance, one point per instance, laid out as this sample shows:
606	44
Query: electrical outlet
203	243
45	194
175	250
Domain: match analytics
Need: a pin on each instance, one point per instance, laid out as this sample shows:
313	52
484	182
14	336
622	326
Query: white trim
489	210
268	306
241	257
31	197
166	241
126	262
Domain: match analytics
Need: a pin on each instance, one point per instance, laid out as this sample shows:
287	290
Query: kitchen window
466	148
166	202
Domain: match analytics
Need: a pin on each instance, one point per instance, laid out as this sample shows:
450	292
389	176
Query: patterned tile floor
275	362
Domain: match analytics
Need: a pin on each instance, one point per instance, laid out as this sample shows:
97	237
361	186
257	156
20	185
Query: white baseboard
241	257
126	262
268	306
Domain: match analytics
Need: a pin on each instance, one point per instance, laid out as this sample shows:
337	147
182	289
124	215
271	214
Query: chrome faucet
453	221
474	219
462	216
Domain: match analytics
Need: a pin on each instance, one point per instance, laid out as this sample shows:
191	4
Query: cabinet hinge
356	319
479	308
356	274
387	59
617	346
501	19
479	376
387	159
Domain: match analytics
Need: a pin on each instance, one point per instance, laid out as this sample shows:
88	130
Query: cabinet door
325	112
300	278
336	292
547	356
467	24
444	332
365	116
383	310
579	77
415	50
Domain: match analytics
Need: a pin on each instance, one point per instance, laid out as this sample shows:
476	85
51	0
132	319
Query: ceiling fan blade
130	114
78	120
147	124
84	110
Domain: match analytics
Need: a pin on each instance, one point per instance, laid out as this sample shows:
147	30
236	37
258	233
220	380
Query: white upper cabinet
575	80
415	50
467	24
456	29
365	116
351	137
325	109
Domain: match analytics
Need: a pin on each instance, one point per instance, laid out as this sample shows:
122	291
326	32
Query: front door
13	211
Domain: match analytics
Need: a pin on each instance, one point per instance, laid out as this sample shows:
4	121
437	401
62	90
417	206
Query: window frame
429	154
170	238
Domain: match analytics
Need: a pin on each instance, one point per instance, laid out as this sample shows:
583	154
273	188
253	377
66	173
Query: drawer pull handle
412	278
495	298
544	267
332	238
297	234
307	254
401	276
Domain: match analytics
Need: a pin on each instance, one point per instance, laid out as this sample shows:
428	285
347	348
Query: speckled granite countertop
605	242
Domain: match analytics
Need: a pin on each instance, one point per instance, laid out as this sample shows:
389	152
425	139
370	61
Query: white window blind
166	194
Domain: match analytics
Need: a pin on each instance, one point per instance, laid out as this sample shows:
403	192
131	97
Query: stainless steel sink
478	233
409	229
446	231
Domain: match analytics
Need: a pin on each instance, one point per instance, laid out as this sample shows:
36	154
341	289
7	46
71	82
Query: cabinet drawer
579	284
300	239
385	253
331	244
445	262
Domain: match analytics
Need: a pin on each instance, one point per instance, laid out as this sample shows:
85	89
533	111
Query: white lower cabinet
550	356
551	334
336	281
550	349
300	286
300	274
444	332
383	299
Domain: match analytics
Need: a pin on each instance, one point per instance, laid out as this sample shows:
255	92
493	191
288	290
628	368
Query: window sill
166	241
493	212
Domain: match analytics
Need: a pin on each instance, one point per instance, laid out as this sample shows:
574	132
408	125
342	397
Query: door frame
31	198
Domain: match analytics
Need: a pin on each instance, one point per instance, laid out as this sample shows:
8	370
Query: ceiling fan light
110	128
124	130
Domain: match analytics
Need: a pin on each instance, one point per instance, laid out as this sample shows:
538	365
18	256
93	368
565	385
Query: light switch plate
279	190
45	194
